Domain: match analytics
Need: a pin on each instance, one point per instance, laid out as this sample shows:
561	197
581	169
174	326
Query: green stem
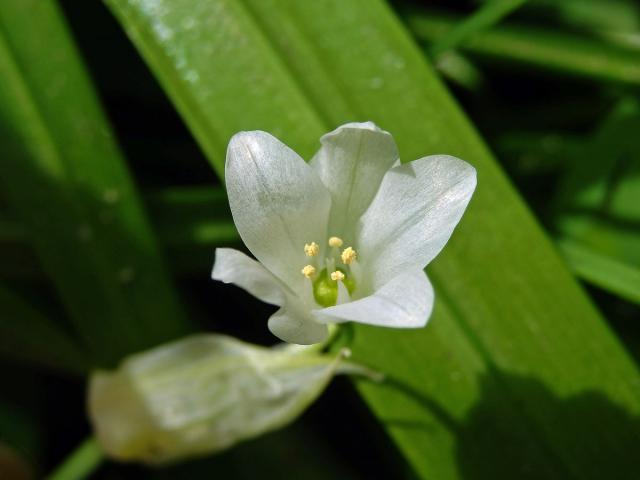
81	463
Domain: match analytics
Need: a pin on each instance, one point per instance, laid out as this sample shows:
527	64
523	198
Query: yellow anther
311	249
309	271
335	242
348	256
337	275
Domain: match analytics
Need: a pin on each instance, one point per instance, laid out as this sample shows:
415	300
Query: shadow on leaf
503	436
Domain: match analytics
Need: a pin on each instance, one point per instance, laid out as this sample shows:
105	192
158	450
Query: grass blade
548	50
65	178
191	222
602	271
25	335
486	16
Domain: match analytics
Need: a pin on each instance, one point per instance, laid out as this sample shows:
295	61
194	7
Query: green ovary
325	290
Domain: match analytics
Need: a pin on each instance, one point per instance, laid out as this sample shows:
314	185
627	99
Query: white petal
294	323
278	203
405	301
343	294
351	163
233	266
413	215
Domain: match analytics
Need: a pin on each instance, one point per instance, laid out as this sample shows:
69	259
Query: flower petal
278	202
294	323
351	163
233	266
404	302
413	215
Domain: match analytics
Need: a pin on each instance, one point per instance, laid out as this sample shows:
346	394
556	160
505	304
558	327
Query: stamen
348	256
308	271
337	276
311	249
335	242
330	289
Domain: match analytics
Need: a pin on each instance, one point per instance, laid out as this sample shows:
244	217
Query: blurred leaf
17	259
605	272
26	335
486	16
20	419
81	464
190	221
458	69
597	203
597	198
559	52
531	153
616	15
514	342
64	176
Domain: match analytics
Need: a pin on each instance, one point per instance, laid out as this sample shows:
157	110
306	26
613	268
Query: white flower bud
202	394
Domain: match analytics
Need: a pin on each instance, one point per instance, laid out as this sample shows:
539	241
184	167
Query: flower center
325	283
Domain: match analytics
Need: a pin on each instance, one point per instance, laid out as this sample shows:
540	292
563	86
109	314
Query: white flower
343	238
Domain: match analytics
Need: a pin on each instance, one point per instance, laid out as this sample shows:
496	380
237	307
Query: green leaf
602	271
65	178
597	205
515	354
486	16
17	259
21	422
191	222
551	50
26	335
597	15
597	196
81	464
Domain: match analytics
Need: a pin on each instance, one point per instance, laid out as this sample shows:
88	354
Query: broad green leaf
515	355
193	89
64	176
559	52
26	335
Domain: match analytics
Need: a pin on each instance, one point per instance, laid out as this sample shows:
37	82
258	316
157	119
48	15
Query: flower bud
202	394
